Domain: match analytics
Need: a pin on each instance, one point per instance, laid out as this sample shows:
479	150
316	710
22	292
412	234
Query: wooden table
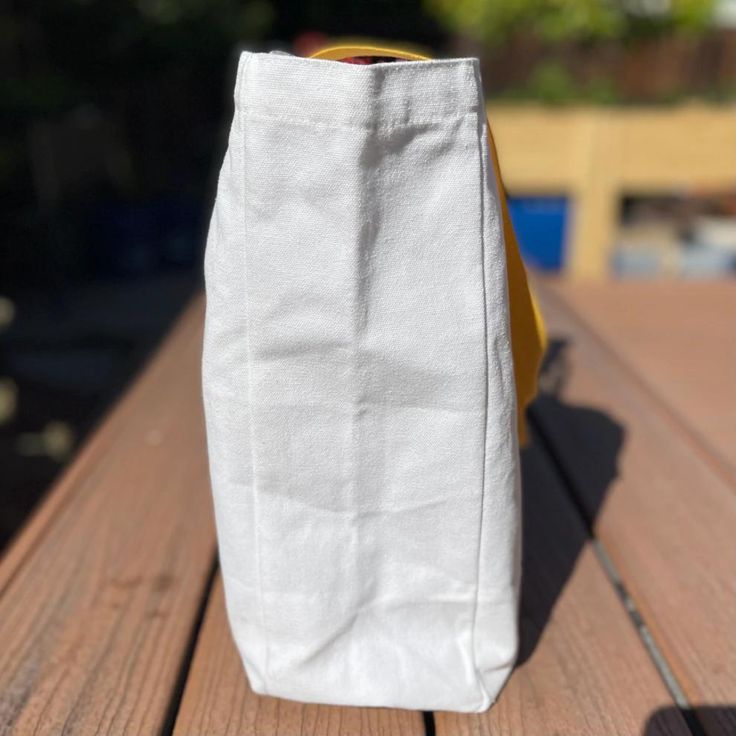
596	155
111	605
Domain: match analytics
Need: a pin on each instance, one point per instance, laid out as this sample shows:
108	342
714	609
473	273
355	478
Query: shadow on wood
711	719
546	571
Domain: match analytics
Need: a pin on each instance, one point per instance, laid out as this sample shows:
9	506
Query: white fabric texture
358	386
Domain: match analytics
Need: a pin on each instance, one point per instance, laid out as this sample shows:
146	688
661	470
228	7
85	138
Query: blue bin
540	224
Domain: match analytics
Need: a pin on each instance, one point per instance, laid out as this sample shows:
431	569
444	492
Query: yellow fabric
528	333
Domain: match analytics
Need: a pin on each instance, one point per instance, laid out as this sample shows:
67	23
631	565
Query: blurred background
614	121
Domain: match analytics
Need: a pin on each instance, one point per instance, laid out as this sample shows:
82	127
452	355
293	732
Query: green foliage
552	83
602	91
238	19
89	47
493	21
141	62
66	52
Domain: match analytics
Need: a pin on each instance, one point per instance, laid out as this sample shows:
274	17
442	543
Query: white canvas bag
358	386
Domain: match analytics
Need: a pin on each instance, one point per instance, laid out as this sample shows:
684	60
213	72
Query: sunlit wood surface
112	616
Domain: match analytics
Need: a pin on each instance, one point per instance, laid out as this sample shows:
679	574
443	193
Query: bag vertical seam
480	133
245	61
509	380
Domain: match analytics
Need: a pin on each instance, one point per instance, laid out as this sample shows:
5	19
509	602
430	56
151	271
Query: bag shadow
557	516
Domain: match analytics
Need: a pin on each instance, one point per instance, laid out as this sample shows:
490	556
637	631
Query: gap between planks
664	514
584	669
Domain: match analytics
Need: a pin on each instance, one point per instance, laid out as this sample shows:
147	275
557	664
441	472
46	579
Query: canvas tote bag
358	385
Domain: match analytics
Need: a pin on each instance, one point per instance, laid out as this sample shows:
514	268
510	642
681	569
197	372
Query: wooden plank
99	441
219	702
595	156
104	587
679	337
595	204
665	515
654	159
583	669
545	150
540	148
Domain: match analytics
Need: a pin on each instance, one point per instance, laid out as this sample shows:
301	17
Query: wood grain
100	594
679	337
663	512
583	670
219	702
102	590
